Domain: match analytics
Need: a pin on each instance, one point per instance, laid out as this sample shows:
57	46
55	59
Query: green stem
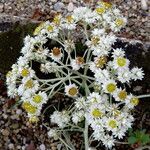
144	96
65	143
86	136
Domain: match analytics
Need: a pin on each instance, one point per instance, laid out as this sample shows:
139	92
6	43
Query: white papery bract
74	56
60	118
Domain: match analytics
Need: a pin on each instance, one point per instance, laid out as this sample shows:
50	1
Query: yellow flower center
79	60
121	61
96	87
38	29
135	101
94	100
33	119
122	95
25	105
29	108
112	124
107	4
117	113
73	91
97	113
32	109
56	20
119	22
9	74
56	51
95	40
101	62
111	87
25	72
37	98
69	19
29	84
100	10
50	28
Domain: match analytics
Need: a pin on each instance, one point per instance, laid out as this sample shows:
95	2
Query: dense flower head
75	55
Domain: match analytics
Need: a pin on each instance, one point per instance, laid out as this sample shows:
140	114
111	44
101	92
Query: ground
19	18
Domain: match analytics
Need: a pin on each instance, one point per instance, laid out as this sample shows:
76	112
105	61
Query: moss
11	43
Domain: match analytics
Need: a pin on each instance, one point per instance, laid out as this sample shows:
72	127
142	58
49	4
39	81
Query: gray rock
1	8
59	6
70	7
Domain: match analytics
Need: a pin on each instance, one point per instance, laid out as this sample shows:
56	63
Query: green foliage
138	136
11	43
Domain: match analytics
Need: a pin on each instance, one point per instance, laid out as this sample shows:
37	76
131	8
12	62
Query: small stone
144	4
58	6
18	147
11	146
1	8
70	7
53	1
42	147
5	132
15	126
18	111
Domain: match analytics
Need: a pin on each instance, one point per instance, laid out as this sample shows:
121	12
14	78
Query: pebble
42	147
70	7
53	1
11	146
1	8
18	111
5	132
58	6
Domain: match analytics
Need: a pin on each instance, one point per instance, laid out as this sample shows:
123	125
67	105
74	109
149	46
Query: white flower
111	124
120	95
26	72
28	86
12	90
95	98
99	62
69	23
101	75
48	67
137	73
80	103
52	133
69	45
131	101
71	90
77	63
40	54
60	118
91	17
120	63
124	75
78	116
118	23
118	52
109	86
22	61
39	99
108	141
100	42
56	54
32	110
50	30
80	13
95	112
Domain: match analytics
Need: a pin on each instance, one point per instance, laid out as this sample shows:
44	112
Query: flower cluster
94	75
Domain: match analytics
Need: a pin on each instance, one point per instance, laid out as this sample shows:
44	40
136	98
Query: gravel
136	11
16	133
